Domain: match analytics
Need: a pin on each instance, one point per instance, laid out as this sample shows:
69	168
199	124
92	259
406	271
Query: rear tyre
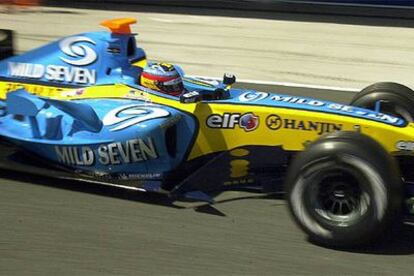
396	99
344	190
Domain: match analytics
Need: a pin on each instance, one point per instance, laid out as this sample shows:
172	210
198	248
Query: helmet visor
174	86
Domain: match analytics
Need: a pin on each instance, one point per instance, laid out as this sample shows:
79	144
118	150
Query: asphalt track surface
55	227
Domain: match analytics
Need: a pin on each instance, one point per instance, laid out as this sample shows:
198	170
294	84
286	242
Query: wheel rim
337	197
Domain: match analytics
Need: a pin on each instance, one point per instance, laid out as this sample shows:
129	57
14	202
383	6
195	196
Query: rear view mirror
229	79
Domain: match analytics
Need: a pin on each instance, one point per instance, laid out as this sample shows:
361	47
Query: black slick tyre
344	190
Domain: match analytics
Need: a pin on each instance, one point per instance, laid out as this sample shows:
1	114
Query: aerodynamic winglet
20	102
119	25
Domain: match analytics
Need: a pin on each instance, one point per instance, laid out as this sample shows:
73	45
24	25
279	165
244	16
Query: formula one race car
75	109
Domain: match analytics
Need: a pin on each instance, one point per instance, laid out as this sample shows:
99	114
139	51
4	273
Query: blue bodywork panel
97	135
82	60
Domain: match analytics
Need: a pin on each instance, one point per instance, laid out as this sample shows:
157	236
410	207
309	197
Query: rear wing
6	44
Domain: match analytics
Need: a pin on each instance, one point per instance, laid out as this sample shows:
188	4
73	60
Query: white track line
288	84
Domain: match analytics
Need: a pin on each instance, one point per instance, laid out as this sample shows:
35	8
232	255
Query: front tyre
344	190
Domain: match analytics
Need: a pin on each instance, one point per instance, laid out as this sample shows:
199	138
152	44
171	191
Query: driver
162	77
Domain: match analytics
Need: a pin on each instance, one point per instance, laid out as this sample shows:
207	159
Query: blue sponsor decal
286	101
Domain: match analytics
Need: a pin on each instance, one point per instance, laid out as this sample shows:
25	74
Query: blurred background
327	49
347	44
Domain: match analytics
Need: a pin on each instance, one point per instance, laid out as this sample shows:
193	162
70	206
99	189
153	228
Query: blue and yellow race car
92	107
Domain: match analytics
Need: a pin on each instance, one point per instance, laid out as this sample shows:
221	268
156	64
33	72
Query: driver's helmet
162	77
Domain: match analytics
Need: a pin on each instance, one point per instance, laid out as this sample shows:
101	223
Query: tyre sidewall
382	188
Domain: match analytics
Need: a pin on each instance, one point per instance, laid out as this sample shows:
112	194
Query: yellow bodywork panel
302	125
